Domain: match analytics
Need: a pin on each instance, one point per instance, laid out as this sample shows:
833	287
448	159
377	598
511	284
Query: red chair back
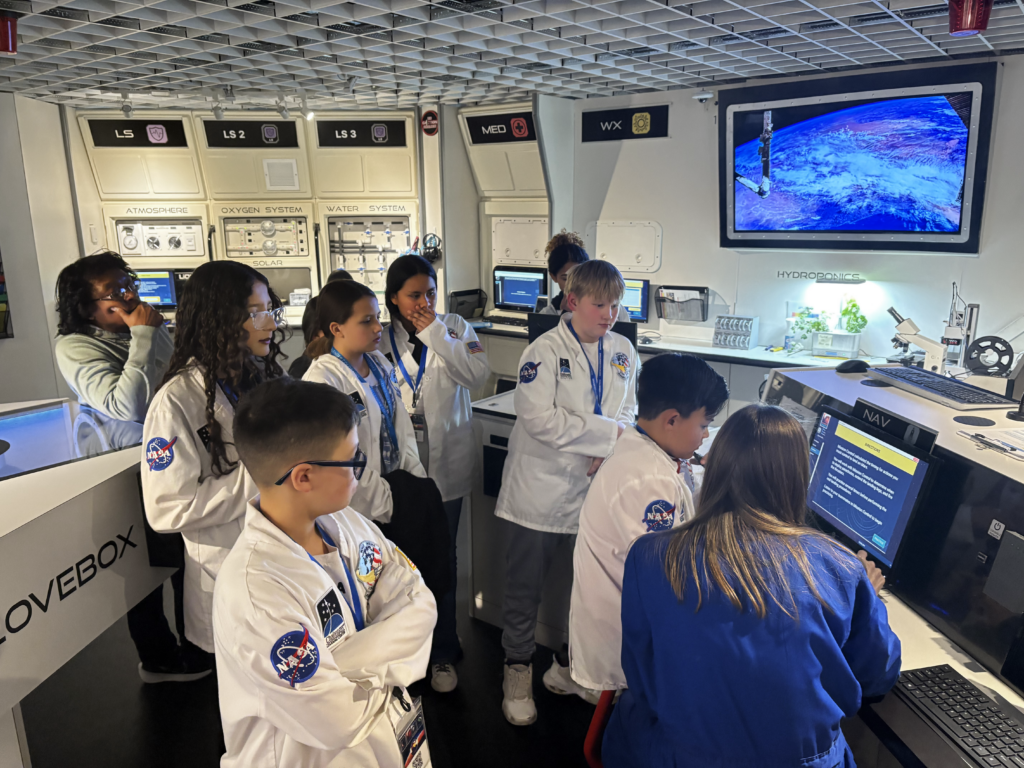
592	744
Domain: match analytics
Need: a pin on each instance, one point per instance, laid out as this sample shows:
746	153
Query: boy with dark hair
645	485
319	621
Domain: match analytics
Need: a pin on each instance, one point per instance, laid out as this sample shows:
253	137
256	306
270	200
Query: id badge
419	425
410	731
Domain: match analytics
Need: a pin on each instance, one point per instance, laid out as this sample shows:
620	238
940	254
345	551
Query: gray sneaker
518	706
443	678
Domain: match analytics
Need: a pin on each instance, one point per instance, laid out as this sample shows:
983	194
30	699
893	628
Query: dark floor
95	711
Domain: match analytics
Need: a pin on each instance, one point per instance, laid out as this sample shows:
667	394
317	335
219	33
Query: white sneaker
518	706
558	680
443	678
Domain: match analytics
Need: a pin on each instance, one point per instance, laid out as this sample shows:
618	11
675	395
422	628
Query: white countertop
756	356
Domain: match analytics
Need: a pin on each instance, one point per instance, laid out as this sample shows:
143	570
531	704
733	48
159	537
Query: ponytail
320	346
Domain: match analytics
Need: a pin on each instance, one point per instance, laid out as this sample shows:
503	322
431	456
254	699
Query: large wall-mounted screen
884	169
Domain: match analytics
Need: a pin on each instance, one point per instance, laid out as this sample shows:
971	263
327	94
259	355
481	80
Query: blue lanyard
229	392
355	603
401	365
387	408
596	379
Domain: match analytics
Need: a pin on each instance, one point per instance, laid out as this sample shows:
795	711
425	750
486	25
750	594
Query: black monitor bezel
526	270
825	526
174	286
646	299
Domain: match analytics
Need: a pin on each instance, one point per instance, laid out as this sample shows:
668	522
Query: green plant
851	319
808	321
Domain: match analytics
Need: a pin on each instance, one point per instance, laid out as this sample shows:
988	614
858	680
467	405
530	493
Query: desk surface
756	356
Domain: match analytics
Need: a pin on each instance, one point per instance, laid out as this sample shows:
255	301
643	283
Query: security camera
703	96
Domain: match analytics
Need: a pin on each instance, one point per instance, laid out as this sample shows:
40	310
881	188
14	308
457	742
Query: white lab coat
373	496
182	494
637	490
455	364
335	715
557	433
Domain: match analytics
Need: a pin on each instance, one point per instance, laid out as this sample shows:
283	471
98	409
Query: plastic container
835	344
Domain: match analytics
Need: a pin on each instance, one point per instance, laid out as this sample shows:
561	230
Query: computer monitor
156	288
516	288
636	299
538	324
864	484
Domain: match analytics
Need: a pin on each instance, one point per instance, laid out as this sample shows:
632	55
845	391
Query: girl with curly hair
225	344
564	251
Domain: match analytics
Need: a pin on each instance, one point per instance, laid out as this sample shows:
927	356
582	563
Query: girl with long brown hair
747	636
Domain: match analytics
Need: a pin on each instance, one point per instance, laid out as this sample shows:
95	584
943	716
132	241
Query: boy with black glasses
319	621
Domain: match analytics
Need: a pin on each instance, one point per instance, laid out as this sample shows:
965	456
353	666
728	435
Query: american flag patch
474	347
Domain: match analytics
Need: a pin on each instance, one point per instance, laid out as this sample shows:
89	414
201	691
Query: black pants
147	624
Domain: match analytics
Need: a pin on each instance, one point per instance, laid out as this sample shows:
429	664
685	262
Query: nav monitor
636	299
864	484
156	288
516	288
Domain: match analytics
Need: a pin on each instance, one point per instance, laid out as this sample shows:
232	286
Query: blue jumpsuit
723	689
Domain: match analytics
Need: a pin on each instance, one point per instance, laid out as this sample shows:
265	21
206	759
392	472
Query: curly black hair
209	335
74	289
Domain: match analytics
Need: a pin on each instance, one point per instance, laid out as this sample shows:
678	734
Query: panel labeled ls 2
360	133
137	133
251	134
500	129
621	124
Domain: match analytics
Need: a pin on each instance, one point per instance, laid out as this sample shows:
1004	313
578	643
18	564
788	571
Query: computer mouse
852	366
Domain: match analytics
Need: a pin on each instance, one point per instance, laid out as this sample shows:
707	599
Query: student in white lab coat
320	621
439	360
576	395
564	251
646	485
347	358
192	483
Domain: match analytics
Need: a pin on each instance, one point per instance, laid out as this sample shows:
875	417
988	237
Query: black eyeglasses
357	464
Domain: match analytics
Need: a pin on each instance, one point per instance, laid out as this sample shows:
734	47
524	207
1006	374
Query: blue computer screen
157	288
635	299
518	289
863	486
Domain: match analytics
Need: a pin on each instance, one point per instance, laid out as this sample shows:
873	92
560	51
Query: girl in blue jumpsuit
747	637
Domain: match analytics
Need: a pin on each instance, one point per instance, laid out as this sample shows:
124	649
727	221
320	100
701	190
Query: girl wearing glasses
224	345
347	358
439	360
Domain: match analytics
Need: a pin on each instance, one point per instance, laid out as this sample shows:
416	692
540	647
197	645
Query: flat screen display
863	486
157	288
636	299
517	288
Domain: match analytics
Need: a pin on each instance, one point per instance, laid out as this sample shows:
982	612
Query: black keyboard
990	734
506	320
941	389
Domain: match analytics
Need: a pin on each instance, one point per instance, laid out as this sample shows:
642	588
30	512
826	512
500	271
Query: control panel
164	237
366	246
256	237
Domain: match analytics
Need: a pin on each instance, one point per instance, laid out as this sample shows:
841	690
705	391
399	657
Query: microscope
908	333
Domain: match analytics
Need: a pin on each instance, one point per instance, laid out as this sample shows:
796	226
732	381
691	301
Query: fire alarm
968	17
8	35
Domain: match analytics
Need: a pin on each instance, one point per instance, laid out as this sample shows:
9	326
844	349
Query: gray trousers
529	558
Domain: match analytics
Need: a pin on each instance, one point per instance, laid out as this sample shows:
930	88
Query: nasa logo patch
528	372
160	453
332	621
620	362
659	515
295	657
370	566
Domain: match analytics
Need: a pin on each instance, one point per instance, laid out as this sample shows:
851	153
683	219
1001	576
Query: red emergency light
8	35
968	17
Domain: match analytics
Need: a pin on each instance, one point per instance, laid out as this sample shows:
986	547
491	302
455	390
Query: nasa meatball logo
528	372
332	621
621	364
370	566
160	453
295	657
659	515
564	371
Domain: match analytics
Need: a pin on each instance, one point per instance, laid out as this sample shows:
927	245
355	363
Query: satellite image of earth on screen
888	166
